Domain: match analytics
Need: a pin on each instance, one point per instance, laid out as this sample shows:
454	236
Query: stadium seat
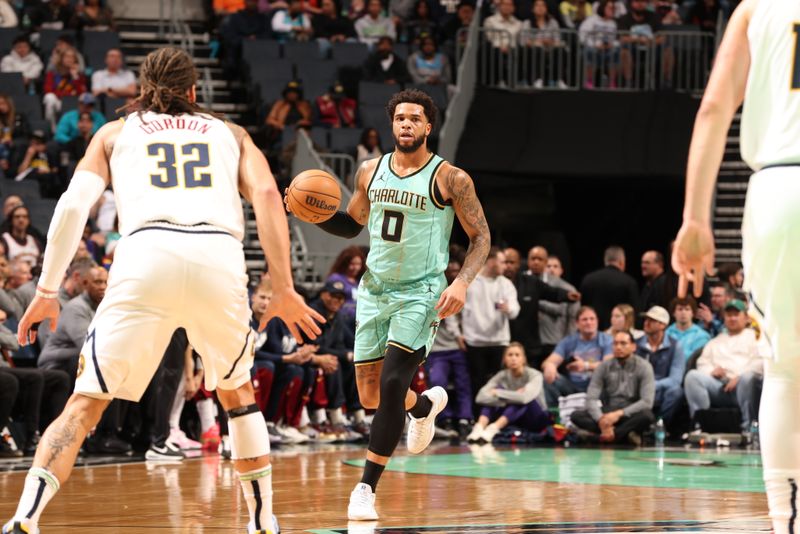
28	190
12	83
373	116
288	134
345	140
313	88
68	103
28	105
256	51
401	50
110	106
319	135
324	70
349	54
376	94
437	92
7	36
41	210
48	38
387	139
275	69
300	51
271	90
95	46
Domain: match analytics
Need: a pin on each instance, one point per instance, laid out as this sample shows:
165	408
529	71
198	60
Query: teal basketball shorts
398	314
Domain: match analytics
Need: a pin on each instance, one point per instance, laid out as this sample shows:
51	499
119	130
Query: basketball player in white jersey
177	174
758	63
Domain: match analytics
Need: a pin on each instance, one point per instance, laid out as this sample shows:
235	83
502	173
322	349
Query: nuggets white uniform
180	261
770	144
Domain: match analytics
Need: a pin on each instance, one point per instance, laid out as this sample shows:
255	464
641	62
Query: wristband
44	294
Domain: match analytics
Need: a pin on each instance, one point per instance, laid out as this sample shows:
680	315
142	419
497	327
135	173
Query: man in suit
605	288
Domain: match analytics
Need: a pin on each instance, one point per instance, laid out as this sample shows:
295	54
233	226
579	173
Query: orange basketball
314	196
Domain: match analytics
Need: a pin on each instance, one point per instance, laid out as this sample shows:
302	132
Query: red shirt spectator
66	79
336	110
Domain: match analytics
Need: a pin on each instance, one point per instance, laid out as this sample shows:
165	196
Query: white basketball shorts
771	255
163	278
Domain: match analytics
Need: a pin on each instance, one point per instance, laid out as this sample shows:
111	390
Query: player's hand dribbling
693	256
39	310
452	299
292	309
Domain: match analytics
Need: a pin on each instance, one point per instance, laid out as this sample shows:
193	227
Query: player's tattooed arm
468	208
358	208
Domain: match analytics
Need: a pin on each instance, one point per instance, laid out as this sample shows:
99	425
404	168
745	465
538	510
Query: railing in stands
342	166
679	58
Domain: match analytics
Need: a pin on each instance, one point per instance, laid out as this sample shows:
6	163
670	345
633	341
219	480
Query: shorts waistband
168	226
778	166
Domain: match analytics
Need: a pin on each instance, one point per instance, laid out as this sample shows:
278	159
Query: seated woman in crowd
369	147
348	268
514	396
13	125
291	110
622	320
67	79
19	241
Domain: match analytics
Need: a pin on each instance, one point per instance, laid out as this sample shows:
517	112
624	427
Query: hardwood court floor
455	489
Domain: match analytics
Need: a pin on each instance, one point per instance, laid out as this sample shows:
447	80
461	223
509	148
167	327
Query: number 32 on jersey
194	161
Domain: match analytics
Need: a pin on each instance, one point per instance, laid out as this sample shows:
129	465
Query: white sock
335	416
40	486
257	490
358	416
318	416
304	419
177	406
205	410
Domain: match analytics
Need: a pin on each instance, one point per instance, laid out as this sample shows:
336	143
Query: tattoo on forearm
470	211
61	437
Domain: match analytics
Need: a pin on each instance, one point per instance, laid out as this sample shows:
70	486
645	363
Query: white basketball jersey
770	130
183	169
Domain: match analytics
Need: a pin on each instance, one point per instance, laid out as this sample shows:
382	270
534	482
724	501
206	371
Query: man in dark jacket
605	288
385	67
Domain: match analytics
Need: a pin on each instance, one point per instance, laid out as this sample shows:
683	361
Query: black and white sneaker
168	452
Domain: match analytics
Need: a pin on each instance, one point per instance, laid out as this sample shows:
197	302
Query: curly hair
342	261
413	96
166	76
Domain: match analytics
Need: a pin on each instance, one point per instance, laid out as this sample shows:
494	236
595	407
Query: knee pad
248	431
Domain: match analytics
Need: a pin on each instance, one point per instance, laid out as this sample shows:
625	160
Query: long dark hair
165	78
344	258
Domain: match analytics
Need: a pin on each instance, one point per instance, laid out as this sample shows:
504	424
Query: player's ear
192	94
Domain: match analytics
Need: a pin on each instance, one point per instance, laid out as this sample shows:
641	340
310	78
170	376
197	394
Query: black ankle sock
372	474
422	408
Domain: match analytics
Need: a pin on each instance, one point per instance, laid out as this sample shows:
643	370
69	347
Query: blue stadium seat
345	140
325	70
373	116
300	51
12	83
319	135
313	88
7	36
28	105
48	38
95	46
376	94
41	210
349	54
253	52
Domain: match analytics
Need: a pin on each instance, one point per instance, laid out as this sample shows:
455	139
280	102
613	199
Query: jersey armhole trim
434	191
374	173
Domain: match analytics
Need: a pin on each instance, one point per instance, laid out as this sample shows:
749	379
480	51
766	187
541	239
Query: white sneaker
362	504
292	435
475	435
489	433
251	529
20	527
421	431
179	438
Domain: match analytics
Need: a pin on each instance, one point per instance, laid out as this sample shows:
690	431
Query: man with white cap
666	357
730	370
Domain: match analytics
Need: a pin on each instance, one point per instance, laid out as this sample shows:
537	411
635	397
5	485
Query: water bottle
755	442
661	433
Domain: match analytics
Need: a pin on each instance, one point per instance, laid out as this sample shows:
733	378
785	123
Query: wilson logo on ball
318	203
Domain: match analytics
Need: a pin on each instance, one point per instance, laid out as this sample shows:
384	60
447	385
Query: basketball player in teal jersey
407	200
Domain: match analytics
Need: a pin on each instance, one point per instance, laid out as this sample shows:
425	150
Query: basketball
314	196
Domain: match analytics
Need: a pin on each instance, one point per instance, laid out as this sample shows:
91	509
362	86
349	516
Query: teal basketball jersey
409	227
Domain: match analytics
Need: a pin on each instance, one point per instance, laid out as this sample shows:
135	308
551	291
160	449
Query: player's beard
413	147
